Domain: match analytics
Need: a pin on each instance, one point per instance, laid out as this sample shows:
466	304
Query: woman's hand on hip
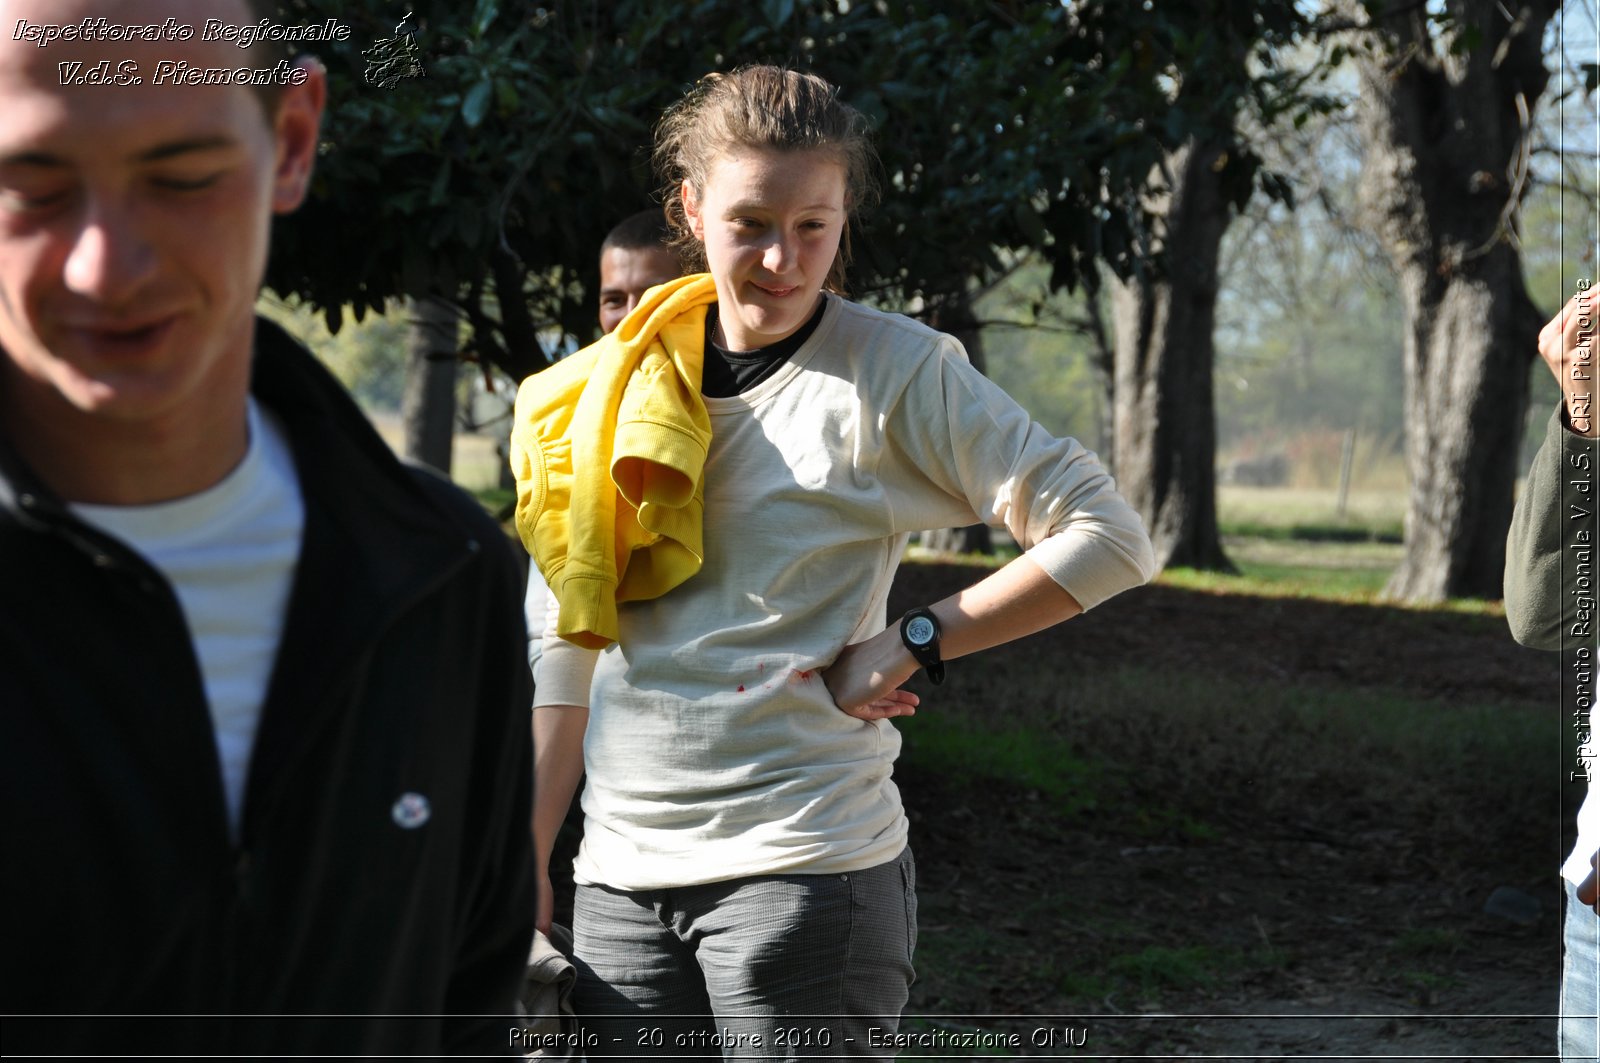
865	678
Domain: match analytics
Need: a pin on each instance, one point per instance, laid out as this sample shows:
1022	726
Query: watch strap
926	653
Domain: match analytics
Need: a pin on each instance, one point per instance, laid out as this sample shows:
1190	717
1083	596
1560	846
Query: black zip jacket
380	898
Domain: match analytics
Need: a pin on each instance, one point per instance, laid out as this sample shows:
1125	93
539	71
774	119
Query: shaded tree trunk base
1165	420
1443	132
428	406
1205	558
955	315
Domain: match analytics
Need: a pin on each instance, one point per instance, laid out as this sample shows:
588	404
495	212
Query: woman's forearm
1017	600
557	767
1014	601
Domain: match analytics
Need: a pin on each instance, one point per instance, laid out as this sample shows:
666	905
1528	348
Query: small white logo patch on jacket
411	811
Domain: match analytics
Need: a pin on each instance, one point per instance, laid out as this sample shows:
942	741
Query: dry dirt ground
1237	889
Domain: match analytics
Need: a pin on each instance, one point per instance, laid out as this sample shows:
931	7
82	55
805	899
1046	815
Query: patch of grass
1163	821
1281	556
1313	533
1084	985
1281	567
1178	749
1258	719
1103	959
1427	941
1195	830
1158	969
1271	580
1316	558
972	751
1374	514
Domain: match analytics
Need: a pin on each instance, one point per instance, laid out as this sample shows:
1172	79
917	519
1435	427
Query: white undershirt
230	554
535	611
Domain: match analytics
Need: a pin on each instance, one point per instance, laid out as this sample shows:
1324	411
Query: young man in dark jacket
263	711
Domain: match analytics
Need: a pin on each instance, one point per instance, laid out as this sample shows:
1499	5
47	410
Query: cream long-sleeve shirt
713	749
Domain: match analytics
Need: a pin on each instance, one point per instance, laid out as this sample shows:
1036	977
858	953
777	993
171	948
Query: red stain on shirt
741	689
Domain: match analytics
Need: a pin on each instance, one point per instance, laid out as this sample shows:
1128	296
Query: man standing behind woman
744	867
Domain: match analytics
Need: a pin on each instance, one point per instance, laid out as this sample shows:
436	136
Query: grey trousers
770	967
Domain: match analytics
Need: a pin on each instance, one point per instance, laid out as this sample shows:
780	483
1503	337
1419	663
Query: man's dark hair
646	229
266	53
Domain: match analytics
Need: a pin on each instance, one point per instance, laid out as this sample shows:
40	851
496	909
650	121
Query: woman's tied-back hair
760	107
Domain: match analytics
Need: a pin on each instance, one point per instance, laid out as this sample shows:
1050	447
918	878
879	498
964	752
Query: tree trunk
1104	359
428	407
1164	430
1443	131
956	317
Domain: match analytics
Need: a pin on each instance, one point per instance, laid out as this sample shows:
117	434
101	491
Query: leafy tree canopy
1003	125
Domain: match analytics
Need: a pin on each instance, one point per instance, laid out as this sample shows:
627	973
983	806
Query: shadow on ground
1244	828
1290	817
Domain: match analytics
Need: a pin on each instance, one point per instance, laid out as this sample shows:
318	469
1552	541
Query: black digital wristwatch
919	630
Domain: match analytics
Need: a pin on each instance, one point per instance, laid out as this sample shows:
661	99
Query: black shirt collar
728	373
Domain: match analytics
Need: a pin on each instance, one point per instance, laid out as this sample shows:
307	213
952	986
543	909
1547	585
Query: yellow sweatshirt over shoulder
608	448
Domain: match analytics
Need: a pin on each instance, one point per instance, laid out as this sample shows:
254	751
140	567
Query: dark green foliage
1001	126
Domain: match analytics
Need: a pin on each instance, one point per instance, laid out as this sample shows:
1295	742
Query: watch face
920	631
